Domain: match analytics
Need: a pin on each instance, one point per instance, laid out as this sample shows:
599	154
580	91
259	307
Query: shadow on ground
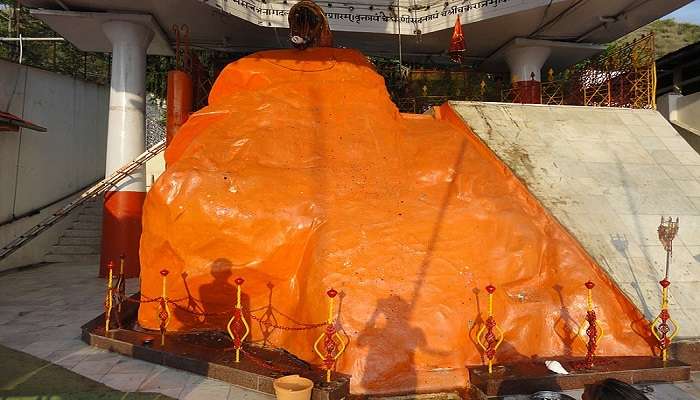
26	377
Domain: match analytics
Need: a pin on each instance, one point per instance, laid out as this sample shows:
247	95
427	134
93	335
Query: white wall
688	110
684	113
666	105
44	167
38	169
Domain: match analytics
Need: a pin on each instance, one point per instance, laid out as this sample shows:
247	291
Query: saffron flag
457	44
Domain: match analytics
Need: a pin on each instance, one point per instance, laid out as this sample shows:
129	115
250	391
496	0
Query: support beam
525	65
525	59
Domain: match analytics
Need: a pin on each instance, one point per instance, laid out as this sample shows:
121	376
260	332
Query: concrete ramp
608	175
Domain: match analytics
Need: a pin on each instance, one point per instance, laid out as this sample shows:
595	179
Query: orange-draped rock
301	176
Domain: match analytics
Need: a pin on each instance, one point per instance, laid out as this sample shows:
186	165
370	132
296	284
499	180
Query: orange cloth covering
301	175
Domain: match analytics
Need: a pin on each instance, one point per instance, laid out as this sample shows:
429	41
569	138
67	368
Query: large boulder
301	175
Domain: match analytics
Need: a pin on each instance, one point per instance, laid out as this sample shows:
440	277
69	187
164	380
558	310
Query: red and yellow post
164	311
594	330
237	326
492	333
659	327
333	344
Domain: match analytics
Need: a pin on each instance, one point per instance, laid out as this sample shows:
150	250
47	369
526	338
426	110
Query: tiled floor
42	309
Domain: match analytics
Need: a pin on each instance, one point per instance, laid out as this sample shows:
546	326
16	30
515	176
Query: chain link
201	314
265	320
121	297
302	327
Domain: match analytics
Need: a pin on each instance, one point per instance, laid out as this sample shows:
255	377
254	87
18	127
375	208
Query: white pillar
127	97
525	61
121	229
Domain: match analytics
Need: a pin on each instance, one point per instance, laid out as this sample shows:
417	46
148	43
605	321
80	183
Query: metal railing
625	76
94	191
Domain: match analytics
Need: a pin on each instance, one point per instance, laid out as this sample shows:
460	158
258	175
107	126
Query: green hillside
669	35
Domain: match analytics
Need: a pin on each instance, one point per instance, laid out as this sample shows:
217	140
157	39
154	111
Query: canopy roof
373	26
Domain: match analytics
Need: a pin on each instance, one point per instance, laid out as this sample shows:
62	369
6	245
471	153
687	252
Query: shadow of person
218	296
389	328
267	322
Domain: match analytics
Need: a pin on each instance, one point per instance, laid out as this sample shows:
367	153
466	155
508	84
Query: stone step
73	258
91	210
84	225
86	241
96	219
82	232
74	249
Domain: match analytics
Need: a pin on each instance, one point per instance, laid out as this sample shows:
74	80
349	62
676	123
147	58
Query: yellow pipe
238	306
664	306
165	306
490	315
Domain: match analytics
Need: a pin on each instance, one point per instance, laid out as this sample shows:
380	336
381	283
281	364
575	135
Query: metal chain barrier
332	344
302	326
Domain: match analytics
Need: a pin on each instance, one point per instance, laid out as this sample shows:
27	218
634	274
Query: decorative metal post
490	330
121	285
594	330
667	232
333	343
164	311
659	327
237	326
108	296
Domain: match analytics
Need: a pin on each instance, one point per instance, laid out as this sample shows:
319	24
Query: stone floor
42	309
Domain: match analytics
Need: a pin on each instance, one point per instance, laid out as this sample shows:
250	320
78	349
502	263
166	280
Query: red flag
457	45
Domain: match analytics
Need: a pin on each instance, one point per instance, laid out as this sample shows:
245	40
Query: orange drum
179	102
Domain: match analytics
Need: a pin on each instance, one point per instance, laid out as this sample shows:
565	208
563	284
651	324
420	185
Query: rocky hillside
670	35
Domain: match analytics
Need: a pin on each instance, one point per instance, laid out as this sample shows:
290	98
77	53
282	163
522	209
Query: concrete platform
532	376
42	310
209	354
608	175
